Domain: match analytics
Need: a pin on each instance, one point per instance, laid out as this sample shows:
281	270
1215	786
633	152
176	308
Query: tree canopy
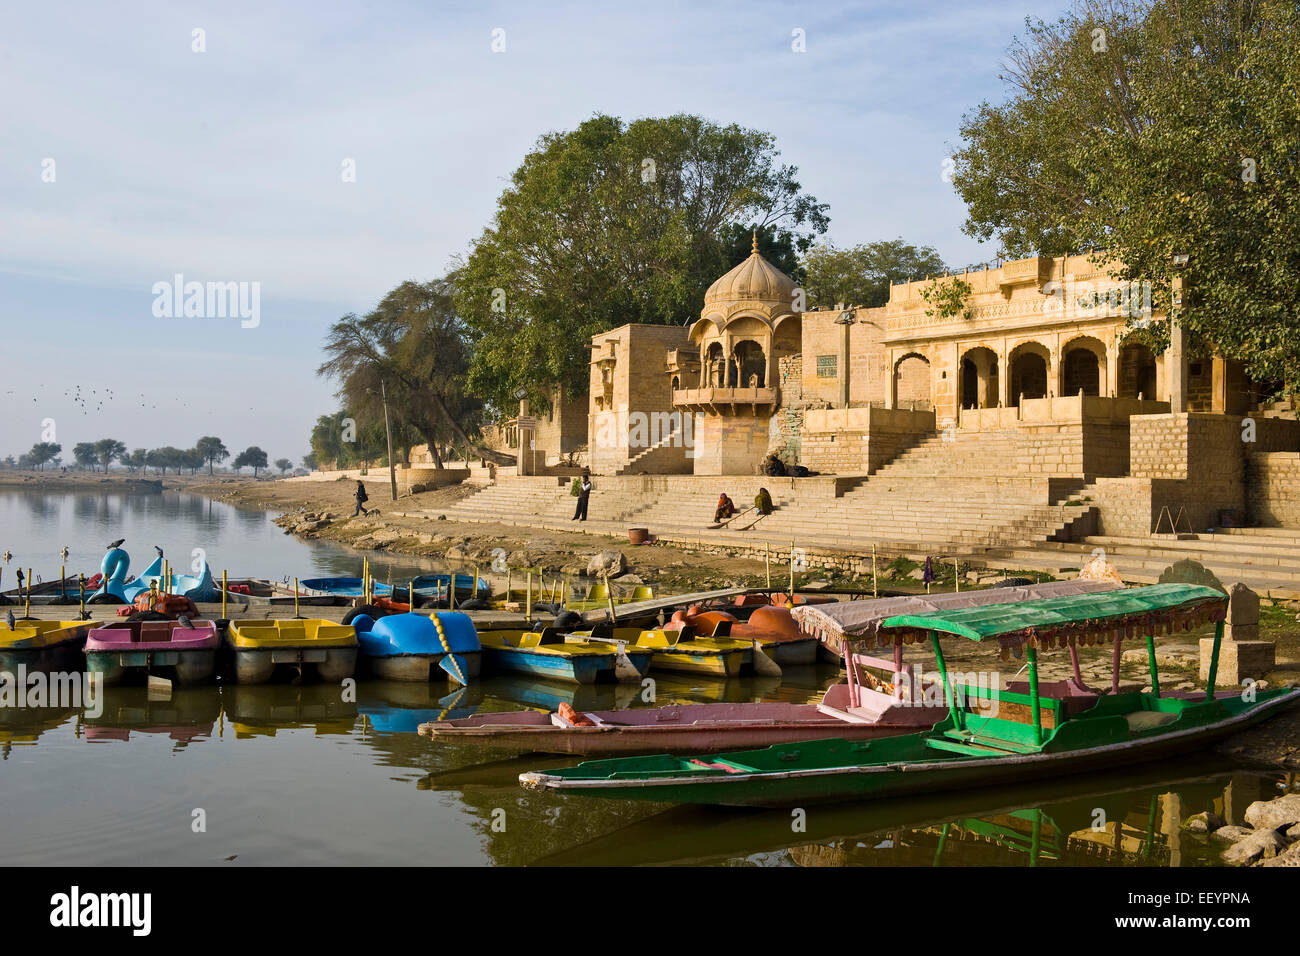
616	222
1148	130
862	274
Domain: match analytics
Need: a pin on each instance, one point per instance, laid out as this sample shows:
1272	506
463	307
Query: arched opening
713	370
749	370
912	382
1028	374
978	371
1081	370
1137	372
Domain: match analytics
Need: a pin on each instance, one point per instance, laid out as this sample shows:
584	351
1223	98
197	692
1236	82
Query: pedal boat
323	647
416	647
40	645
549	653
862	708
116	650
1050	731
679	646
774	627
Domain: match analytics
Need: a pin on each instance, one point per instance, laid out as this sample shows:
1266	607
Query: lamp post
388	430
844	321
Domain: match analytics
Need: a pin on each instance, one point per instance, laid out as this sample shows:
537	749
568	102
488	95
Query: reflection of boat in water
23	726
260	710
184	717
387	711
1104	818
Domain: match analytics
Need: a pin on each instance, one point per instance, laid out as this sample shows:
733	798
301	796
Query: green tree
414	348
612	223
253	457
212	449
137	459
85	455
284	464
108	450
862	275
1178	138
309	461
43	453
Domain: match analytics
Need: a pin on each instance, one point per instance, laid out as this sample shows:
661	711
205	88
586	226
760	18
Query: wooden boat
189	654
42	645
860	709
548	653
57	591
328	649
415	647
261	591
1032	735
434	586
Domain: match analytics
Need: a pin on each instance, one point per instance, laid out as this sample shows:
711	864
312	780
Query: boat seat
155	632
1141	720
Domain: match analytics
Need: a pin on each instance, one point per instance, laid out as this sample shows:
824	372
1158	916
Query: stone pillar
524	458
891	382
843	370
1242	654
1110	383
1219	386
1176	354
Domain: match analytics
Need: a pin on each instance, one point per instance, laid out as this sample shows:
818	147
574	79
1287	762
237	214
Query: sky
318	154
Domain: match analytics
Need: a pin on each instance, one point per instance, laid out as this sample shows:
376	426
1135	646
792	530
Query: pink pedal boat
189	654
863	707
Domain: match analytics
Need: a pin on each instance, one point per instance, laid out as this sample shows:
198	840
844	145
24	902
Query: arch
1083	366
710	324
1137	372
748	367
713	367
977	372
1027	372
912	381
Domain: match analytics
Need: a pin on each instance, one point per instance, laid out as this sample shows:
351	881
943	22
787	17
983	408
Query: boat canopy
1067	621
861	620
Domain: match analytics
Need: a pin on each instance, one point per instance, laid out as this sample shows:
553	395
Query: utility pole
392	465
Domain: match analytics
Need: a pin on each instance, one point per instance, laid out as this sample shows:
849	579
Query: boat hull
189	667
715	663
575	668
904	777
420	668
257	666
694	728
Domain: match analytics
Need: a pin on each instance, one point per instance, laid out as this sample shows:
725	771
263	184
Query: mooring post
875	591
767	563
223	594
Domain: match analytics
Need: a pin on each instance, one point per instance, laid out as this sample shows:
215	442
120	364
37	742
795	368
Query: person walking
362	498
584	494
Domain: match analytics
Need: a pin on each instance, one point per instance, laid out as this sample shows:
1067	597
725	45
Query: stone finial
754	250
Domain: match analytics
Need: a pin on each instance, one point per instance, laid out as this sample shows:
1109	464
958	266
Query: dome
755	278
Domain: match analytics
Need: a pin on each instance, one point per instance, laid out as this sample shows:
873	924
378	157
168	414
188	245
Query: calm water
292	775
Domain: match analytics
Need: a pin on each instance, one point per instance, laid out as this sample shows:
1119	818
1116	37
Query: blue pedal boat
415	647
548	653
343	587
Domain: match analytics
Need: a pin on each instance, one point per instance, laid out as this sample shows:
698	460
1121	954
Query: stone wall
787	423
1273	489
1077	449
637	387
731	444
860	441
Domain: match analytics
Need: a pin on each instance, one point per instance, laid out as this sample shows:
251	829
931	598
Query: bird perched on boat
20	579
159	550
184	621
9	617
65	552
116	544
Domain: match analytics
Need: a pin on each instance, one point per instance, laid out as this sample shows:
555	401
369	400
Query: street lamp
388	430
844	321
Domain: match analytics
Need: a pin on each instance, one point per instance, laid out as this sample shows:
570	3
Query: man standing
584	493
362	498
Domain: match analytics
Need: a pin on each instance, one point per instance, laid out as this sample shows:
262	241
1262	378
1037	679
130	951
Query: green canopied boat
990	736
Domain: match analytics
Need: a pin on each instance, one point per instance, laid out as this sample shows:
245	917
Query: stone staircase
1266	559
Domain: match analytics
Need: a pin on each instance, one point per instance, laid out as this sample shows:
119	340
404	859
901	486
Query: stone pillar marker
1242	655
1176	357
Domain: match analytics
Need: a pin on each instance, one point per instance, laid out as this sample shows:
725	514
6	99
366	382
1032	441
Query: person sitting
763	502
726	508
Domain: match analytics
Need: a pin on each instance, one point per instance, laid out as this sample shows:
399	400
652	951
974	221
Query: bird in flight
7	555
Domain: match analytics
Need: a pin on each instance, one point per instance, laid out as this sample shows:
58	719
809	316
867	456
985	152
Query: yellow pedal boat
42	644
259	646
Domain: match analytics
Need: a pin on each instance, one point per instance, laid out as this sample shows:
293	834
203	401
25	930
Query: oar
764	666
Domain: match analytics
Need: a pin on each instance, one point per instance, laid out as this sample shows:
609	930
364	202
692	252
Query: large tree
108	450
253	457
85	455
212	449
863	274
617	222
1150	130
414	350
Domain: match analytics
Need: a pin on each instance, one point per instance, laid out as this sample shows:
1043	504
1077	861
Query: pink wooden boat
188	654
862	707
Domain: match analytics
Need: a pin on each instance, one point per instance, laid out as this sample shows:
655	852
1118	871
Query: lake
277	774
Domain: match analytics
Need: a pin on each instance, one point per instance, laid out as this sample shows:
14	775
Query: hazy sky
227	166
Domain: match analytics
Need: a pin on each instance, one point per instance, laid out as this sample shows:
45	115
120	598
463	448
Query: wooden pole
947	687
956	575
28	607
474	592
63	581
81	588
223	594
410	595
1114	669
528	605
295	599
1035	704
875	591
792	574
1151	662
767	562
609	598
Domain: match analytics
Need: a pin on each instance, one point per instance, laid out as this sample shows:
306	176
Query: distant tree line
99	455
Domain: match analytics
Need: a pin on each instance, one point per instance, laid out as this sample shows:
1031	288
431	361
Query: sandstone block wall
1273	489
731	444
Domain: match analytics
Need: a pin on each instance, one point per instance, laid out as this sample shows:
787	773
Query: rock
1231	834
1203	822
610	563
632	579
1288	857
457	552
916	574
1293	833
1260	845
1279	813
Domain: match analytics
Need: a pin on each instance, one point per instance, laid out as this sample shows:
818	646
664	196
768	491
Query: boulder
1260	845
1279	813
1288	857
1203	822
611	563
1231	834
